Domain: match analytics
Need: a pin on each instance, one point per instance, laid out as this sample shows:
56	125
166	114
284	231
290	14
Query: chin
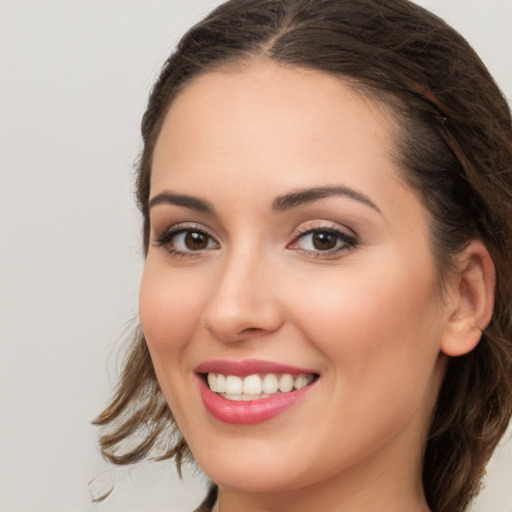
257	469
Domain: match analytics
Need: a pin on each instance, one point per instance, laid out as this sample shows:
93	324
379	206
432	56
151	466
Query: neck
304	501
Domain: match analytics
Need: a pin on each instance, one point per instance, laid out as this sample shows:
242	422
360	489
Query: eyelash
166	240
344	242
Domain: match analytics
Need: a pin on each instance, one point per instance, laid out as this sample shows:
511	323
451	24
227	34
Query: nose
243	303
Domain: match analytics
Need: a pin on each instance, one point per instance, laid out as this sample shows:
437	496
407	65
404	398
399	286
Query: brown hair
455	149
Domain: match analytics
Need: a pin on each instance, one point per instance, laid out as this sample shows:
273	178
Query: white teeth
301	382
234	385
253	385
270	383
212	382
221	383
286	383
247	388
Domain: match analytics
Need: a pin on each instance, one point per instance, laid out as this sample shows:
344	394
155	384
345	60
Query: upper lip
248	367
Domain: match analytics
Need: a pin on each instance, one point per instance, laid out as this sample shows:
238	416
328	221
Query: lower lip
249	412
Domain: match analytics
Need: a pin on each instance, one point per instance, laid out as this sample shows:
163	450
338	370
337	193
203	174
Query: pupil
195	241
324	240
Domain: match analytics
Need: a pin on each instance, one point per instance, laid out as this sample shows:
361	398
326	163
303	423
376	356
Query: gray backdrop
74	77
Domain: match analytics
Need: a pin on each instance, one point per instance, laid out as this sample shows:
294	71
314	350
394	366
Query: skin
369	319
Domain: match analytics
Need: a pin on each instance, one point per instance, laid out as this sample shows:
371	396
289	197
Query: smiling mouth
256	386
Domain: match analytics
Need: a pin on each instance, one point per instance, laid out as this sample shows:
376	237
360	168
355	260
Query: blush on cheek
169	309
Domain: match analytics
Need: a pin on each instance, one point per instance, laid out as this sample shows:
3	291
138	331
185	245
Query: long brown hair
455	149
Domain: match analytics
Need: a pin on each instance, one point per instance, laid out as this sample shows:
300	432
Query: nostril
250	330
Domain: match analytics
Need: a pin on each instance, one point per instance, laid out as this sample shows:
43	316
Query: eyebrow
193	203
280	203
302	196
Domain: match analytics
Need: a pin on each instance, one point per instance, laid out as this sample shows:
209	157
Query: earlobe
471	300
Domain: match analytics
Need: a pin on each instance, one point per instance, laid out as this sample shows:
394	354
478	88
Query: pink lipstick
275	387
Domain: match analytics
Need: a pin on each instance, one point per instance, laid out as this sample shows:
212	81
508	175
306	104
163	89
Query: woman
326	187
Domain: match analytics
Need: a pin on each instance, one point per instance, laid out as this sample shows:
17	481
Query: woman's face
285	247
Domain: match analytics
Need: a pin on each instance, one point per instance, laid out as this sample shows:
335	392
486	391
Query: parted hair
453	146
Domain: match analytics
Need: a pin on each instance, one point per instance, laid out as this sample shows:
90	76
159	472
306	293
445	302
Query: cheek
382	344
170	309
375	321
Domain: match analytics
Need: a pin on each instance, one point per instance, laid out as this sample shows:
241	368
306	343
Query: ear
471	300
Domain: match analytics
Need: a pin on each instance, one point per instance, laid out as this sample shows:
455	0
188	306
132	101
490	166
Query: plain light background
74	79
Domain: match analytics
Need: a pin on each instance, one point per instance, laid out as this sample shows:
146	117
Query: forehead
267	87
265	126
262	98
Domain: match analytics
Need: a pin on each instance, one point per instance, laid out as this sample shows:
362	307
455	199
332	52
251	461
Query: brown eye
195	241
324	240
187	241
